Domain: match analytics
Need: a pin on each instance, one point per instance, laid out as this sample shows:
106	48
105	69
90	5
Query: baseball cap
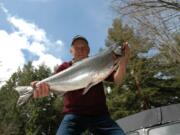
78	37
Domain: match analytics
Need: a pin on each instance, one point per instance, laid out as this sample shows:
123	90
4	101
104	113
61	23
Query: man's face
80	49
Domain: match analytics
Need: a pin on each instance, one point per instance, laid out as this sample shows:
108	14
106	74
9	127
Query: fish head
117	50
115	47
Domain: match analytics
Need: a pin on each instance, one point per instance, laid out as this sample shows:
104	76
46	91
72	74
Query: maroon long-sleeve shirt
92	103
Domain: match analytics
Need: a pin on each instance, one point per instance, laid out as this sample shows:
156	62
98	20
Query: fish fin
25	93
88	88
116	65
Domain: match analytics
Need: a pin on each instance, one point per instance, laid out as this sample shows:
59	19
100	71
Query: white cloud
25	35
47	59
59	42
10	55
27	29
37	48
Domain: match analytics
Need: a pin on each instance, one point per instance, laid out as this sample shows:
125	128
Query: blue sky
62	19
41	30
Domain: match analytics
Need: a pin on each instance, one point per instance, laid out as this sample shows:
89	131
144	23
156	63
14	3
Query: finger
36	93
123	49
43	90
125	43
47	90
127	48
33	84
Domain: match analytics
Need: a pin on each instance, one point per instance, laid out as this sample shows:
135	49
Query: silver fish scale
82	73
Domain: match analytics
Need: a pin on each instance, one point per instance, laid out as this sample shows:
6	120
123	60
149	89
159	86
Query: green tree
150	81
38	116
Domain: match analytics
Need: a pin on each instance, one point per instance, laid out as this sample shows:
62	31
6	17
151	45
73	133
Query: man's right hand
40	90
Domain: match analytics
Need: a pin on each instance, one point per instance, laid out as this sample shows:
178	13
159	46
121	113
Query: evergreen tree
38	116
143	87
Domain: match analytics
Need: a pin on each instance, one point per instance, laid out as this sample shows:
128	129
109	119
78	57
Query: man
87	111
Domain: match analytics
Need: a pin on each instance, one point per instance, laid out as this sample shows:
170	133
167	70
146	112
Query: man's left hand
126	53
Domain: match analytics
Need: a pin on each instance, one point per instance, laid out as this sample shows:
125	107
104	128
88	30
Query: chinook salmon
83	74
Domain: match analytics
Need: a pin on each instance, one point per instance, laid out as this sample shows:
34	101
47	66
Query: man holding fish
89	110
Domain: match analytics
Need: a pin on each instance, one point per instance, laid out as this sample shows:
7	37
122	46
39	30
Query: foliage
151	81
38	116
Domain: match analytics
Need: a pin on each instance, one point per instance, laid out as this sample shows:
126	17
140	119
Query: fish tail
88	88
25	92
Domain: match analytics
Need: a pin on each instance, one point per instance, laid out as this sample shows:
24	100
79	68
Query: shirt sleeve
62	67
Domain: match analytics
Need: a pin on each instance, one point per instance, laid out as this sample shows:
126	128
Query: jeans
100	125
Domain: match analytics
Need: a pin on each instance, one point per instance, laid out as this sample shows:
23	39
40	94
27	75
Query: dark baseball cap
78	37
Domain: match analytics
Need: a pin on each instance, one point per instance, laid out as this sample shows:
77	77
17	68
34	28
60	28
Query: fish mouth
118	51
116	55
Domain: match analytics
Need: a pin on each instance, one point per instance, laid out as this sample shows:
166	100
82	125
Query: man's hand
41	90
126	52
121	71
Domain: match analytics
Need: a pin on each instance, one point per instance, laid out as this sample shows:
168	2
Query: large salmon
83	74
